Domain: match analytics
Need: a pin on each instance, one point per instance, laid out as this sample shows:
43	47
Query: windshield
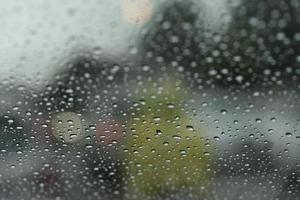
150	99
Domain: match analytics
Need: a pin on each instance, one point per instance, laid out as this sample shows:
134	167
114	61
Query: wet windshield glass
144	99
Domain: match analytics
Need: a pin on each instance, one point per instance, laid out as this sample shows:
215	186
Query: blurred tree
78	82
259	48
167	152
172	36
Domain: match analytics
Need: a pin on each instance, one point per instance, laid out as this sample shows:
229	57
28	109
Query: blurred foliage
260	46
73	87
167	152
172	35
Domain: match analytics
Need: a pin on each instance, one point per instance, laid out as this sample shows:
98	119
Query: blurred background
150	99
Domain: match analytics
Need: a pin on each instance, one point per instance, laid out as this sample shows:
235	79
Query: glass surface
150	99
